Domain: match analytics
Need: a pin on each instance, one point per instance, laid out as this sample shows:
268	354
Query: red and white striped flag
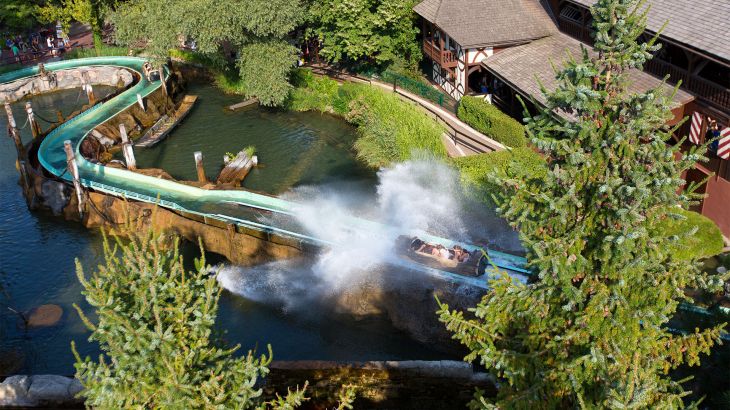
723	145
694	131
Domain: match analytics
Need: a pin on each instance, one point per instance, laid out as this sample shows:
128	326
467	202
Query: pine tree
155	327
591	330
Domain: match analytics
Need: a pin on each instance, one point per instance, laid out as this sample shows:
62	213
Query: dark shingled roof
520	65
702	24
482	23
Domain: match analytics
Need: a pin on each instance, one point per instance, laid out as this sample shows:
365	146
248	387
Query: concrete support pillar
35	129
199	167
127	148
73	169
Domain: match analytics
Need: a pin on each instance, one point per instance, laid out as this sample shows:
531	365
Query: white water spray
417	195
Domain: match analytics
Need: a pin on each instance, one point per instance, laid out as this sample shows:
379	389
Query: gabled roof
524	65
700	24
482	23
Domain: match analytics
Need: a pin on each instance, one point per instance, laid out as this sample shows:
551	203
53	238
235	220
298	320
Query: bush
194	57
416	85
229	83
102	50
476	170
696	235
313	93
390	129
490	121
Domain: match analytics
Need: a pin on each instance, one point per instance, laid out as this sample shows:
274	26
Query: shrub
477	170
489	120
390	129
102	50
312	93
194	57
415	84
229	83
696	235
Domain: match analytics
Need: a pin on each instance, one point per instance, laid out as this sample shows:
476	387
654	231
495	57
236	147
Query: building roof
700	24
482	23
521	65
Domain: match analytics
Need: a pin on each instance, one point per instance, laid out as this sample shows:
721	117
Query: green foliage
692	235
255	29
590	332
17	16
103	50
479	172
10	67
417	85
250	151
490	121
366	33
229	83
155	325
316	93
193	57
390	129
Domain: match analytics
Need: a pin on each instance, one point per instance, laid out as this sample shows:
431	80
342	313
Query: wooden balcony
709	91
575	30
444	58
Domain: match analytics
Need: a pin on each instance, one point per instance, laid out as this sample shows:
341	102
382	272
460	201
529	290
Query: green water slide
216	204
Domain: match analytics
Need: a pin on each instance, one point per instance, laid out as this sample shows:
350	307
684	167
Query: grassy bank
389	129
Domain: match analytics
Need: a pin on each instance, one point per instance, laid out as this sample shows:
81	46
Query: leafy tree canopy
155	326
591	331
366	32
255	29
17	16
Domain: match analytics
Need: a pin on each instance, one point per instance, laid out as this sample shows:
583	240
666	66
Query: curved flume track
223	205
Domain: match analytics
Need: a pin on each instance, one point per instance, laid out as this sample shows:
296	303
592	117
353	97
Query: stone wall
65	79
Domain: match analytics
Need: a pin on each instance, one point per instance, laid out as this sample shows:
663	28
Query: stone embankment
64	80
422	385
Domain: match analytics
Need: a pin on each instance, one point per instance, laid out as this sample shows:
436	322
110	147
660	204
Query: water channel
37	250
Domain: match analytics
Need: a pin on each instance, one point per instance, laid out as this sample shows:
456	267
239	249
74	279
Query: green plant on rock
489	120
155	326
591	330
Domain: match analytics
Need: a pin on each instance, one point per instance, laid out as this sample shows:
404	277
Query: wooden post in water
35	129
14	133
127	148
59	115
140	101
199	167
86	84
73	169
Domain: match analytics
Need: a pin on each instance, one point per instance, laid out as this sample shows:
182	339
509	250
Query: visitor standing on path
16	52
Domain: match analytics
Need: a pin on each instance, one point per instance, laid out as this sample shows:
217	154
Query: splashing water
417	195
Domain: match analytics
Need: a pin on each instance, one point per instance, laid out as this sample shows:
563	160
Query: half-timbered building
503	47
